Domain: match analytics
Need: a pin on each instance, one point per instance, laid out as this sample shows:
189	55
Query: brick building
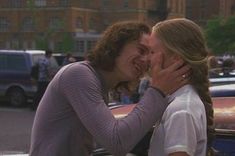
31	24
176	8
77	24
26	24
197	10
202	10
227	8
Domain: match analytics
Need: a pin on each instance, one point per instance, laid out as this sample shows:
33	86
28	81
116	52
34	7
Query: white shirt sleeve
180	133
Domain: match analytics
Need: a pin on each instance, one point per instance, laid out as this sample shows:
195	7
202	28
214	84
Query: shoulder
78	69
185	103
77	79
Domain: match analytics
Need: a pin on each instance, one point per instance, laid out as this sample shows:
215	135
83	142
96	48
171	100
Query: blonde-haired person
186	128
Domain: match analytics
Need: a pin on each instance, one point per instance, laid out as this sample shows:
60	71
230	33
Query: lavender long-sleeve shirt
72	114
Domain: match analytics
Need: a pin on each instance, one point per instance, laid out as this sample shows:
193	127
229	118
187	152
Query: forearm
127	132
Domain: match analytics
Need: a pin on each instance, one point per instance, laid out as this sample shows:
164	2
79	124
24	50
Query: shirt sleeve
83	91
180	133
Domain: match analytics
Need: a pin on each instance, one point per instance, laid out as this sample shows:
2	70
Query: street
16	124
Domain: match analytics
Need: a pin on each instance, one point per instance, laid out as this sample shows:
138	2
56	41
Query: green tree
42	41
67	44
220	35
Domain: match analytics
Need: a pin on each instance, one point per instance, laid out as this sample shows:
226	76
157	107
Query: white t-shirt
183	127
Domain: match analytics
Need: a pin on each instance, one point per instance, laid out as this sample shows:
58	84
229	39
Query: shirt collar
179	92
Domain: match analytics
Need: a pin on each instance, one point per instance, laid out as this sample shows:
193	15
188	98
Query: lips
139	68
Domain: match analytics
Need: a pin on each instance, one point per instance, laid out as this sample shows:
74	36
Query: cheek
168	60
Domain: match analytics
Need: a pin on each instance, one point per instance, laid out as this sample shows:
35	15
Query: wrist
158	90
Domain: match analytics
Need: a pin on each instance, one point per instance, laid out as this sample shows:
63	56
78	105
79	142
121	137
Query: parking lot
16	124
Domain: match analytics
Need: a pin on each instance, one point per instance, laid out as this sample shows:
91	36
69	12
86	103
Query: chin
133	76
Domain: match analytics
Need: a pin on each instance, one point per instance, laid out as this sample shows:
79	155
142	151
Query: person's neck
110	78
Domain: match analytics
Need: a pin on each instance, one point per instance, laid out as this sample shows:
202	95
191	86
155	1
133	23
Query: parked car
217	76
221	80
61	56
225	125
16	85
227	90
223	97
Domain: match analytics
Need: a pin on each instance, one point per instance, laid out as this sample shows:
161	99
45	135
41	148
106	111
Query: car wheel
16	97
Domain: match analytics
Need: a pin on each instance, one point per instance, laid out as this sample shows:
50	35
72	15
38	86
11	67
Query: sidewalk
12	153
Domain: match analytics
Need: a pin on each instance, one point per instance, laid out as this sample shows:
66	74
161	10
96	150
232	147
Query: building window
90	45
2	45
80	46
92	24
28	45
15	3
79	22
15	44
55	23
3	62
125	3
40	3
84	3
105	3
28	24
189	13
4	24
16	62
233	9
25	44
64	2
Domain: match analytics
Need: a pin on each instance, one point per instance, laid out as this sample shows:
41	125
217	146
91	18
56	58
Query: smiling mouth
139	69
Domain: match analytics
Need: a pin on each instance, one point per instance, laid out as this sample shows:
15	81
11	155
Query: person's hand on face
168	71
170	78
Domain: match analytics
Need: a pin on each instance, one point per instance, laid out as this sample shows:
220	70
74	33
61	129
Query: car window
16	62
36	57
2	62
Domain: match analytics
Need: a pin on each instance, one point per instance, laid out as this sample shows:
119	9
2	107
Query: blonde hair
186	39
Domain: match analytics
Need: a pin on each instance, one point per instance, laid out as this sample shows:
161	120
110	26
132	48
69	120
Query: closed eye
143	50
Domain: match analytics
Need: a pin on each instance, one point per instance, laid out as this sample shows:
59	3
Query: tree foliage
67	43
42	41
220	35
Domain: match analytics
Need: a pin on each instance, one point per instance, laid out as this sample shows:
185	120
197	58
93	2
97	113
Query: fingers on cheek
154	59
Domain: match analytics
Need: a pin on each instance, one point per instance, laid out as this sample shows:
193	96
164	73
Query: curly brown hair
185	38
114	38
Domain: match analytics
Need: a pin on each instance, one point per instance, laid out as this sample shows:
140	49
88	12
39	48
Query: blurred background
75	25
72	28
